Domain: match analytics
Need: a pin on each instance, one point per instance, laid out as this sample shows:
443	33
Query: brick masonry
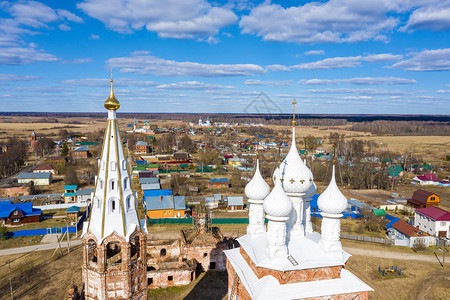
118	276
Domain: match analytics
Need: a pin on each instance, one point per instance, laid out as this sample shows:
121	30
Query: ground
37	275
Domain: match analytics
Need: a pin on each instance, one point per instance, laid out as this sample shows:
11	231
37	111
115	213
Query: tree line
404	127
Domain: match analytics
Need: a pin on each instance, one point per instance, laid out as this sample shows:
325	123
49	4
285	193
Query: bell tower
114	240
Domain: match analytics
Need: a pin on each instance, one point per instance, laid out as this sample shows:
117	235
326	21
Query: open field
36	275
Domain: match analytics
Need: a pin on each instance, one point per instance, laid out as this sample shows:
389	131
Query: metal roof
235	200
43	175
150	186
144	180
85	192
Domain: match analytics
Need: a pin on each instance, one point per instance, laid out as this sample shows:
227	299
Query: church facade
288	260
114	240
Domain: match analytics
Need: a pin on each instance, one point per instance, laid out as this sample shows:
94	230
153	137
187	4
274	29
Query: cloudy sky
336	56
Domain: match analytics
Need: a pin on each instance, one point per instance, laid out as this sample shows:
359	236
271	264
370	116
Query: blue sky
337	56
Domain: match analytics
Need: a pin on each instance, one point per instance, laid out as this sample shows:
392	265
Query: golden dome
112	103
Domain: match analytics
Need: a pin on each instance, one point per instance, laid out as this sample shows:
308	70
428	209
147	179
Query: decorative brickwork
284	277
236	290
115	269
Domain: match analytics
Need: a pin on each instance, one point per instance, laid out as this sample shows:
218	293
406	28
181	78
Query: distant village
196	174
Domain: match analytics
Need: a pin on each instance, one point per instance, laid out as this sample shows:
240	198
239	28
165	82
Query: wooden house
422	198
18	213
80	152
218	183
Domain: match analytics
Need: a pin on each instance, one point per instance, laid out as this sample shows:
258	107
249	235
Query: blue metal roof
165	202
179	203
73	209
141	143
165	192
25	208
43	175
70	187
218	180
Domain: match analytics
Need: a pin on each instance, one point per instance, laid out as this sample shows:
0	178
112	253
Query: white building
405	234
433	220
286	259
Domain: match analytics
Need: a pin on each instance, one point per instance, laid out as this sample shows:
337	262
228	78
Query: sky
242	56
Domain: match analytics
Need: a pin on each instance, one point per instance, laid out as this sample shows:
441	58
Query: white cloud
278	68
427	60
358	91
181	19
146	64
361	81
314	52
140	52
268	82
94	37
64	27
337	21
78	61
382	57
193	85
65	14
104	82
21	56
443	91
12	77
331	63
434	17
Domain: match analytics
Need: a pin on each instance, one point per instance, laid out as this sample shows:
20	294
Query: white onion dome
276	175
297	177
257	188
311	191
277	203
332	201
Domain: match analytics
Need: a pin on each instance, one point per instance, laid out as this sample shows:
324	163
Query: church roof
257	188
332	201
269	288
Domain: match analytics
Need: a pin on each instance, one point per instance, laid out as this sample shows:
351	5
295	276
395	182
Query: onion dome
112	103
277	203
297	177
257	188
311	191
332	201
276	174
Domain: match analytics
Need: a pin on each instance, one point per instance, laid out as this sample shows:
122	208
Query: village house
54	160
36	178
18	213
218	183
70	193
165	206
181	156
73	212
45	169
235	203
406	234
422	198
433	220
84	195
80	152
429	179
141	147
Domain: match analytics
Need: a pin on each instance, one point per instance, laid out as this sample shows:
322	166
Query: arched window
125	183
100	184
113	185
129	198
113	253
97	202
113	166
124	164
113	205
92	251
162	252
103	165
135	247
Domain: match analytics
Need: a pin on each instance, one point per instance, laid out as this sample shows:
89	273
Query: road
40	247
389	254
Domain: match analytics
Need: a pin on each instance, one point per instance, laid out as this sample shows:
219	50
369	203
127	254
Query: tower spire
112	103
293	114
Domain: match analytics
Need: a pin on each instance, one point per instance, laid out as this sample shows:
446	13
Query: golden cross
293	114
292	180
302	181
310	180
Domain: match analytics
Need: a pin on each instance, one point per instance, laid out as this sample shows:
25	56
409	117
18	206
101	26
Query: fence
43	231
367	239
59	206
31	197
189	221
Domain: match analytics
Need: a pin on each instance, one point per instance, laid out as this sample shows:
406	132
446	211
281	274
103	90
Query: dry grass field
38	276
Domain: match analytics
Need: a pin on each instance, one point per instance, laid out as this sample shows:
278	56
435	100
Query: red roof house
434	220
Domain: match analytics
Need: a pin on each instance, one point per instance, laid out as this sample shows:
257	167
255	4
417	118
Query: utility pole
10	281
68	238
